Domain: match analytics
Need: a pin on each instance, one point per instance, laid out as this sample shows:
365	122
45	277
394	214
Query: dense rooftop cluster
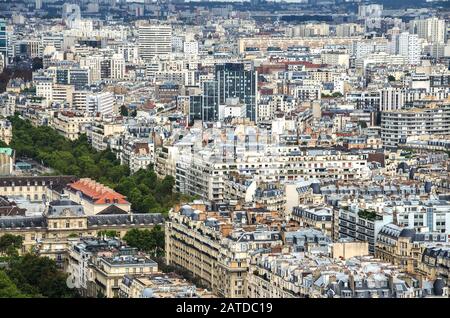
244	149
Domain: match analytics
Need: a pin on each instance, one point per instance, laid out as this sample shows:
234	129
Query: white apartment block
431	214
308	92
117	67
154	40
93	63
398	125
353	223
204	174
335	58
45	89
433	29
70	125
407	45
190	47
370	10
103	103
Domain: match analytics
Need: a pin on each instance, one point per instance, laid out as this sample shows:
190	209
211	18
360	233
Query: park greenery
144	190
28	275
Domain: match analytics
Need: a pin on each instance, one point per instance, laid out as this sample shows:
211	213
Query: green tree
38	276
9	244
7	288
124	110
149	241
362	124
108	233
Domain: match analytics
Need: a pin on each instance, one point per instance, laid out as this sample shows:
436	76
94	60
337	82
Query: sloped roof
97	192
111	210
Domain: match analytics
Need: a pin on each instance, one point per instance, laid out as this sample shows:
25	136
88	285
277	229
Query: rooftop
97	192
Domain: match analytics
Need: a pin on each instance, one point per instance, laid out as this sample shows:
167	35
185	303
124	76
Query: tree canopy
9	244
38	277
7	287
149	241
33	276
124	110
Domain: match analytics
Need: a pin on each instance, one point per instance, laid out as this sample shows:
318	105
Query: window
55	225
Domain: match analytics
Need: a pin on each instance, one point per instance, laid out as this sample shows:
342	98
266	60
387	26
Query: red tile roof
97	192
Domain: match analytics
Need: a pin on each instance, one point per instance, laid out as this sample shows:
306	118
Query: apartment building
137	154
433	263
99	132
5	131
433	214
432	29
154	40
213	248
70	124
360	225
62	94
398	125
288	275
271	196
204	174
320	218
97	267
402	246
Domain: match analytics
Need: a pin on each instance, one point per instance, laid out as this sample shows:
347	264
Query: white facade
103	103
407	45
154	40
190	48
433	29
117	66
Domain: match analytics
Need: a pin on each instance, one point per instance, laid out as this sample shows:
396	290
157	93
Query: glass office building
235	81
3	41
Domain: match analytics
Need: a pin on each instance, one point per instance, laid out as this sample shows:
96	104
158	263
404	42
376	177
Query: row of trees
144	190
30	275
